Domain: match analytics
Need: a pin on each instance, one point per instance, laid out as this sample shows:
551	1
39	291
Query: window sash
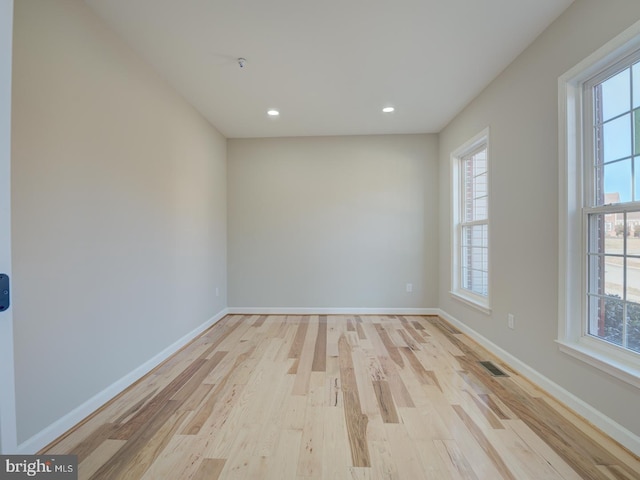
474	256
606	318
593	196
473	253
612	304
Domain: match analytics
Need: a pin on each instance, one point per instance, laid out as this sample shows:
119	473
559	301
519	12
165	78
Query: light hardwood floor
338	397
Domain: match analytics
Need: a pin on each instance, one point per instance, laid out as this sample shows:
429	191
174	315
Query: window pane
636	132
606	317
633	280
475	280
636	85
598	187
480	162
633	326
636	174
474	236
475	186
485	259
614	276
596	274
614	243
606	276
481	185
474	259
477	257
599	226
606	234
633	235
466	236
606	258
482	233
467	199
617	181
616	138
482	287
633	256
616	95
480	206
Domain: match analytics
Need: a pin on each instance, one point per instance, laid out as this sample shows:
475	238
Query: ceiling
329	66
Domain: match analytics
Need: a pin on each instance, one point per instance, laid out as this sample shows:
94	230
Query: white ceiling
329	66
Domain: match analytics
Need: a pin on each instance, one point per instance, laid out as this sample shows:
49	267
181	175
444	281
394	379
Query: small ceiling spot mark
273	113
388	109
242	62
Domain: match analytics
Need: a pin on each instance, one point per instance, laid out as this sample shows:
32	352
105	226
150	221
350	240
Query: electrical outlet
409	287
217	292
511	322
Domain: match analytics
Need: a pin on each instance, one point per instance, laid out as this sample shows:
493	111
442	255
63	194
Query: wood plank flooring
338	397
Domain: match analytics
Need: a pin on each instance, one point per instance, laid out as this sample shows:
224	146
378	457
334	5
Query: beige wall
119	211
333	221
521	108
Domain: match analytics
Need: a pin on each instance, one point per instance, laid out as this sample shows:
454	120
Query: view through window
612	209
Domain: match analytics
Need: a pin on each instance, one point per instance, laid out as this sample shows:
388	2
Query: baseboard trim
616	431
60	426
331	311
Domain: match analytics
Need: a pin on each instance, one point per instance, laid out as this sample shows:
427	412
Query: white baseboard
616	431
60	426
331	311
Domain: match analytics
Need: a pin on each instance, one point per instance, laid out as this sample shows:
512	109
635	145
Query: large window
612	207
599	281
470	220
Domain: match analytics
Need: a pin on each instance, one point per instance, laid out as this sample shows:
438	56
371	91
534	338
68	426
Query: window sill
471	302
596	357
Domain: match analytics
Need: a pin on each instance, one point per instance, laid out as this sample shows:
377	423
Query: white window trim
478	302
572	338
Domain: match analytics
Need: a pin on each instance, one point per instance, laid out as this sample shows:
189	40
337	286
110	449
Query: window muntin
612	204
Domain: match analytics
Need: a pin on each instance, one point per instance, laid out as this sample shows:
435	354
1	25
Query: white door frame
8	431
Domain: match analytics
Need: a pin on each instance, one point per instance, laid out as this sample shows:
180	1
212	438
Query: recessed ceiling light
388	109
273	113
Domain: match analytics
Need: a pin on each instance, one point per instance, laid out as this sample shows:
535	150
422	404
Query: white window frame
572	269
469	298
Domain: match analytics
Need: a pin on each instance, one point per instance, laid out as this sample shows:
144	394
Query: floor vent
493	370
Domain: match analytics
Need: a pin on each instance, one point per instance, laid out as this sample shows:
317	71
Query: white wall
333	221
521	107
119	211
